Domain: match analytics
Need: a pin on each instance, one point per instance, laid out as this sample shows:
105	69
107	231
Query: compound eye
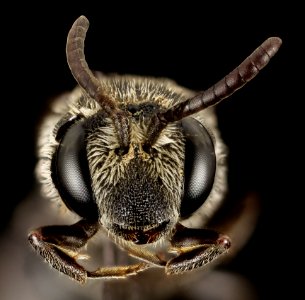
70	172
199	166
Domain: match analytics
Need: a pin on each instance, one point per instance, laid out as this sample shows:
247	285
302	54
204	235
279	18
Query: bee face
136	157
135	191
137	188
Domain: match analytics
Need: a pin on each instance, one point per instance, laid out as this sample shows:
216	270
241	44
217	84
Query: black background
196	46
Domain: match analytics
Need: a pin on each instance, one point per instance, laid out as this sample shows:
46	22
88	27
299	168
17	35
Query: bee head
139	166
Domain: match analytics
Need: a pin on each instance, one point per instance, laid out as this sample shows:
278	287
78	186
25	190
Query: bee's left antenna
236	79
85	78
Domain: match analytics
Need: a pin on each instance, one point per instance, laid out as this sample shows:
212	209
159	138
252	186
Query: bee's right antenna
246	71
86	79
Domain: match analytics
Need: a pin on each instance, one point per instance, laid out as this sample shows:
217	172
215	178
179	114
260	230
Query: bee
139	159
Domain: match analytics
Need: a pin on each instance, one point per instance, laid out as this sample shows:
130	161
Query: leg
195	248
59	246
145	255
